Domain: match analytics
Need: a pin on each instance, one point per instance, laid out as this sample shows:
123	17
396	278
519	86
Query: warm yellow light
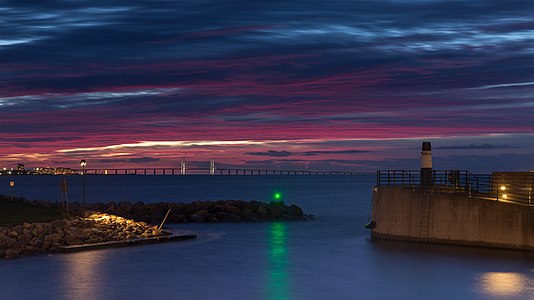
503	188
83	163
504	196
503	284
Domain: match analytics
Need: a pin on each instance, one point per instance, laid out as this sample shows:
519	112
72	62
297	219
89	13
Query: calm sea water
329	258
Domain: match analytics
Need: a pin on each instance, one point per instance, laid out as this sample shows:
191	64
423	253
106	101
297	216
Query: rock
156	213
12	253
50	238
98	206
262	211
189	209
11	242
47	228
93	240
212	219
197	218
249	215
138	209
22	240
26	225
277	212
201	212
295	210
218	208
233	218
124	208
233	210
177	218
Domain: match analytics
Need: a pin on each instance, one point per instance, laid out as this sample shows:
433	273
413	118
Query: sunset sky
323	85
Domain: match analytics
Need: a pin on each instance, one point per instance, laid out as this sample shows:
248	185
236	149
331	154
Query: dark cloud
476	146
488	163
39	139
142	160
312	153
272	153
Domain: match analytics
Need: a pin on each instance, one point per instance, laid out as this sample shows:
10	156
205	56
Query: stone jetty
200	211
28	239
126	221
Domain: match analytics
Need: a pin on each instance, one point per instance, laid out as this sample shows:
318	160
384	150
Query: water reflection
278	275
503	283
83	276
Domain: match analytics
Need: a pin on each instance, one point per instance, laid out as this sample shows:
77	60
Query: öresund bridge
212	170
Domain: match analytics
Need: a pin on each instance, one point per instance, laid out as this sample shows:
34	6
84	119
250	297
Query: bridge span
213	171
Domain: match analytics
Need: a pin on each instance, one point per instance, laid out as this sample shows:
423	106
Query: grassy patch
14	213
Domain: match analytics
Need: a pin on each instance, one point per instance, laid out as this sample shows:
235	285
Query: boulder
233	210
218	208
138	209
295	210
197	218
276	212
177	218
156	213
262	211
12	253
249	215
201	212
233	218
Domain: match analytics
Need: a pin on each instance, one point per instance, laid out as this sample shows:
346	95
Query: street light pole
83	163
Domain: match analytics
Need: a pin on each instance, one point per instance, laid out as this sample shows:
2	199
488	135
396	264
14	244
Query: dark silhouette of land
14	212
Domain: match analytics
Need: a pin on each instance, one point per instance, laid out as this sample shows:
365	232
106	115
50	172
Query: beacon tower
426	165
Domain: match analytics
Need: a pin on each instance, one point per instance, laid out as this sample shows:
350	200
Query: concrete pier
427	215
127	243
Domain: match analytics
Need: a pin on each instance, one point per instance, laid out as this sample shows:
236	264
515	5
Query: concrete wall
402	213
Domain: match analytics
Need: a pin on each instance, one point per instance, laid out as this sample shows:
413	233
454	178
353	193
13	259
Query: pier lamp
503	189
83	163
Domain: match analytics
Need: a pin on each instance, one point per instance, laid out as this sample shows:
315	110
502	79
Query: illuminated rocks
28	239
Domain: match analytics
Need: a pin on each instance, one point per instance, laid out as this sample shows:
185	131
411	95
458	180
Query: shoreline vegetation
36	227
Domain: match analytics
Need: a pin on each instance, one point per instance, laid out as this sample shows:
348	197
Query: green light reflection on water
278	287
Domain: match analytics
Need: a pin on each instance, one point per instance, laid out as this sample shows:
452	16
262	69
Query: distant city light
503	188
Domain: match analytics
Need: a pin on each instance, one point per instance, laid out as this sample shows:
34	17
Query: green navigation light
277	196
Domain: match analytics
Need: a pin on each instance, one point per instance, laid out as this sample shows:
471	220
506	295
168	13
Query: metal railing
453	181
513	187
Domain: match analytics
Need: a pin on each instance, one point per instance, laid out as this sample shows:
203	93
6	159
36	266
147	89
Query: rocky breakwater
28	239
202	211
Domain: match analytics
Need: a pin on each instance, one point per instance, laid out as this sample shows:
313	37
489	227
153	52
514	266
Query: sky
318	85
